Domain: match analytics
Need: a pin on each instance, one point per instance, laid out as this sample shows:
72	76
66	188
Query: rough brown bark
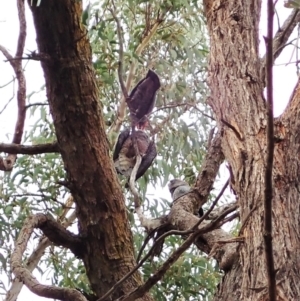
74	103
240	109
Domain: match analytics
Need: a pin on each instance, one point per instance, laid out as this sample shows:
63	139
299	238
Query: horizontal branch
58	235
47	291
29	149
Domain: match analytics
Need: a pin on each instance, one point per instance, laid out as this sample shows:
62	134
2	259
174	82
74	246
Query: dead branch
139	292
37	254
29	149
9	162
268	191
47	291
182	218
281	37
284	32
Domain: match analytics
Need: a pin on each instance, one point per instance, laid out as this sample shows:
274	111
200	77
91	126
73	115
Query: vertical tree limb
9	161
120	68
268	191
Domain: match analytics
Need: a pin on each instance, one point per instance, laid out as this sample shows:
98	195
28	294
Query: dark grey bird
141	100
179	188
124	154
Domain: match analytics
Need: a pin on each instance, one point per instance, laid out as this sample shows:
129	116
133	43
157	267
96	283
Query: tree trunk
237	100
66	59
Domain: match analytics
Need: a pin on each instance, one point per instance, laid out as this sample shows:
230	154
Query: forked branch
47	291
35	257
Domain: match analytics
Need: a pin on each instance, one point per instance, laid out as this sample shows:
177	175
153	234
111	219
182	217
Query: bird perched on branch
179	188
125	157
141	100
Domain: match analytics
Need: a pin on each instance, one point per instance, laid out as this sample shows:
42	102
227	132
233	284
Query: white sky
285	79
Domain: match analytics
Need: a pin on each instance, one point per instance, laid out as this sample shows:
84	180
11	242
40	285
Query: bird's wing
147	160
142	98
121	139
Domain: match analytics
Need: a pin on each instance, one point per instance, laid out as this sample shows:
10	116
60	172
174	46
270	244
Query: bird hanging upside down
179	188
124	155
142	100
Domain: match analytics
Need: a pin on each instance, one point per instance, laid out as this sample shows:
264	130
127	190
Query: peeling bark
240	109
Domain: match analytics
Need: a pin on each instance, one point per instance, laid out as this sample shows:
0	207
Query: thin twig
174	105
212	205
8	102
11	81
120	68
268	192
281	37
36	104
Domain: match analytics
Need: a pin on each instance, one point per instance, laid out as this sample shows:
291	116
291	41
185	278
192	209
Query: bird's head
175	183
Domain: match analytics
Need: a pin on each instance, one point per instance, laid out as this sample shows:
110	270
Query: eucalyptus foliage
180	125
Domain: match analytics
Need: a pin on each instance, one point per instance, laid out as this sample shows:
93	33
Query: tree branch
268	191
48	291
161	238
281	37
120	68
9	162
11	98
39	251
140	291
58	235
29	149
209	169
283	33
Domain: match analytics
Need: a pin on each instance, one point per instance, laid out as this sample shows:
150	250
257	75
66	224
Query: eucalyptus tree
64	173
